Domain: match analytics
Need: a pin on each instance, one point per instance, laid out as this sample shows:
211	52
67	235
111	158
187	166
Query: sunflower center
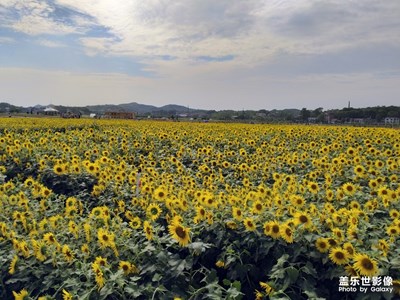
303	219
105	237
180	232
339	255
258	206
275	229
322	245
288	232
367	264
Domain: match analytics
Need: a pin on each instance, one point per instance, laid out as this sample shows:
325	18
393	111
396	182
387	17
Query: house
50	111
392	120
119	115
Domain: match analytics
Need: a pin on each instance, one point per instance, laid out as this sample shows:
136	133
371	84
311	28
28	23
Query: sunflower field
118	209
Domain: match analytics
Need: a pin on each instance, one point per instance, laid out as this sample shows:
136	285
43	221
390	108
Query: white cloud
50	43
251	31
34	18
6	40
255	33
37	25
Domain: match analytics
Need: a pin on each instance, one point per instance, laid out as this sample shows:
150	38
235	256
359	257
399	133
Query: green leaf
293	274
309	269
236	284
157	277
226	282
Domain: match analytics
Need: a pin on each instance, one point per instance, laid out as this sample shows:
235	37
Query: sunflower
160	193
49	238
258	207
322	245
23	246
339	219
275	229
180	233
383	246
258	295
153	211
39	250
313	187
394	213
383	192
352	233
364	265
339	256
45	192
68	254
349	189
286	233
73	228
392	230
67	295
71	212
22	295
297	201
59	169
101	261
231	225
85	249
125	266
11	269
220	264
396	286
351	271
148	230
201	213
87	230
267	288
105	238
237	213
359	170
135	223
100	281
249	224
302	218
349	248
338	233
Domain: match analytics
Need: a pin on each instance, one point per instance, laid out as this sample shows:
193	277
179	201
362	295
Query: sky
207	54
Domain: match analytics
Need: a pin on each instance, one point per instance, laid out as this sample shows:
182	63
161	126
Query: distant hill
6	107
138	108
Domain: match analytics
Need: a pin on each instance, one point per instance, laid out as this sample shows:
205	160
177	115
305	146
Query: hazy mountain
137	107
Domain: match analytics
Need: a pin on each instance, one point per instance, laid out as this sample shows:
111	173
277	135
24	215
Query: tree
305	114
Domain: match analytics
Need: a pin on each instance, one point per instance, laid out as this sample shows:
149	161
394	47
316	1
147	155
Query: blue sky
225	54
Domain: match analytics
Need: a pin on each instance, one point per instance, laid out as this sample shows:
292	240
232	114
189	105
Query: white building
392	120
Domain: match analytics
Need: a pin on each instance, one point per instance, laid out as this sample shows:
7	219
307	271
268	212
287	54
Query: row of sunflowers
107	209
